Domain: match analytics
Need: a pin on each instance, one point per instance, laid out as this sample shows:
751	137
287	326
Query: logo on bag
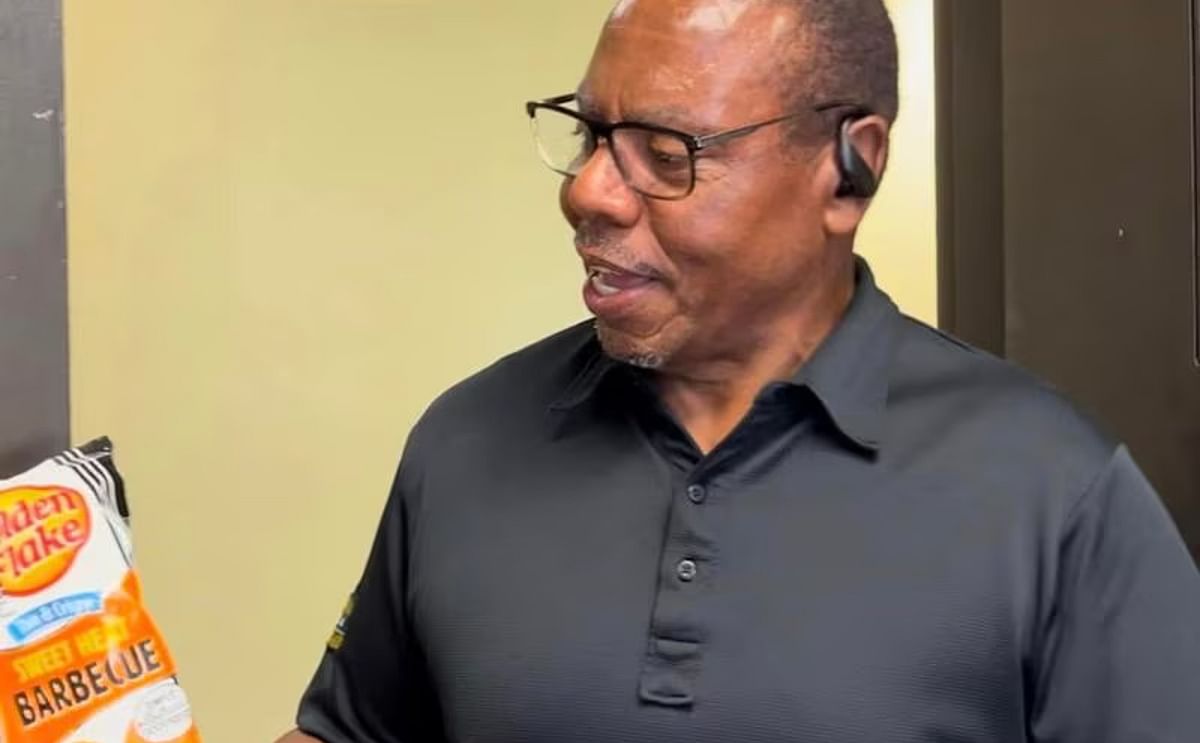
41	532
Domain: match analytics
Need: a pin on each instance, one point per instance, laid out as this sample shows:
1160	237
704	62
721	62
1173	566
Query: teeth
601	287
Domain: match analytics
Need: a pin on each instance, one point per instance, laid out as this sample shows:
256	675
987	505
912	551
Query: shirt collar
583	385
848	373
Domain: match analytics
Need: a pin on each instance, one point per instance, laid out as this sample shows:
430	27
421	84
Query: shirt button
697	494
686	570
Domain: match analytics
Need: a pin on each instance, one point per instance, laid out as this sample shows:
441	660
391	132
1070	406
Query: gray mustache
593	237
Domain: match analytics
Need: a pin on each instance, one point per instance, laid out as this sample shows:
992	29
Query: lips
618	295
609	282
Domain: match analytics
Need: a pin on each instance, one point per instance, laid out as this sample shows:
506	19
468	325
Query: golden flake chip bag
81	660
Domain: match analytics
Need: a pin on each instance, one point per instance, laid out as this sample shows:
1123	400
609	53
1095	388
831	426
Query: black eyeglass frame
603	130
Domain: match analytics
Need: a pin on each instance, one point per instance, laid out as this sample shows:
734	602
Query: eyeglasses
656	161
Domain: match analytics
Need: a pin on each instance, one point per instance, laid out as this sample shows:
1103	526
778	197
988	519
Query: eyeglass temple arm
556	101
711	140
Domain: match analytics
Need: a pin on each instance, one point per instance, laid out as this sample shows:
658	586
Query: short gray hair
846	50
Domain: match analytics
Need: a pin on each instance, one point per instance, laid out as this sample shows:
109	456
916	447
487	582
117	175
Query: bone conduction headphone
858	180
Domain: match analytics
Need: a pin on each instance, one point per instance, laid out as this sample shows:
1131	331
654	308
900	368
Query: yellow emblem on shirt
339	630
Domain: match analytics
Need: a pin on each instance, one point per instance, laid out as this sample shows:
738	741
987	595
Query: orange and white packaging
81	660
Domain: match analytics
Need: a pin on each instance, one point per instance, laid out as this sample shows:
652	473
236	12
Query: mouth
617	294
609	281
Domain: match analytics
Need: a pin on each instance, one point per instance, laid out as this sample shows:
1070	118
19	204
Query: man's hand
297	737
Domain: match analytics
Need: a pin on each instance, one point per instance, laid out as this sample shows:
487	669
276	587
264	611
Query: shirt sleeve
372	685
1120	656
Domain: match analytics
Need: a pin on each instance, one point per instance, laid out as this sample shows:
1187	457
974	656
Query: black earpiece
858	180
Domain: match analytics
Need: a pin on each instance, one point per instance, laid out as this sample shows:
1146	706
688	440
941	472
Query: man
753	502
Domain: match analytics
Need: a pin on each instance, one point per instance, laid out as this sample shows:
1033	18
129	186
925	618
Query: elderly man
752	501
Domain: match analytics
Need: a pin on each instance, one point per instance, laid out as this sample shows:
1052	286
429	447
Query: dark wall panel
33	300
970	172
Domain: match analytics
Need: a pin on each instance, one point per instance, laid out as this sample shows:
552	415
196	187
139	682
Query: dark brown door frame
1196	176
34	374
970	114
970	171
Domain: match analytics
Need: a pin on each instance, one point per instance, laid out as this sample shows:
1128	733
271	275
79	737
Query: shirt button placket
678	624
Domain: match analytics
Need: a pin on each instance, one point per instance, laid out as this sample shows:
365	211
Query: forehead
698	56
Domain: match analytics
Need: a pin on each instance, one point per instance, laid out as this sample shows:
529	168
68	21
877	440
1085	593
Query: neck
711	396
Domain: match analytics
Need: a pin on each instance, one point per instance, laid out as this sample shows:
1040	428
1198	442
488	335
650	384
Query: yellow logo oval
41	532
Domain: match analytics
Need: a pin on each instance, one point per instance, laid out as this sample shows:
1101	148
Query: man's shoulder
524	383
992	406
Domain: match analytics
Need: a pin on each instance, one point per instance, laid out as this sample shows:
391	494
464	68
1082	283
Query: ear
870	138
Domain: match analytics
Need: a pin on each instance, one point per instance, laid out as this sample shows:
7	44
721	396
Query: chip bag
81	661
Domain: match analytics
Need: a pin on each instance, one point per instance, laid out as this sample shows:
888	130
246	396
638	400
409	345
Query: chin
646	353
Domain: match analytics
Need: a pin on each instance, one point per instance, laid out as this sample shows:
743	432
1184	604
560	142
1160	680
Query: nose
599	192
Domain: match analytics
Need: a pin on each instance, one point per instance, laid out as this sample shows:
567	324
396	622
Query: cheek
706	237
701	229
704	253
732	246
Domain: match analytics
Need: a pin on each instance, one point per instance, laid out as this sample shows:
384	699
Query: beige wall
292	223
900	235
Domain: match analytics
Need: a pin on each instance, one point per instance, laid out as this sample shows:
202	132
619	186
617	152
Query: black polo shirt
911	541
